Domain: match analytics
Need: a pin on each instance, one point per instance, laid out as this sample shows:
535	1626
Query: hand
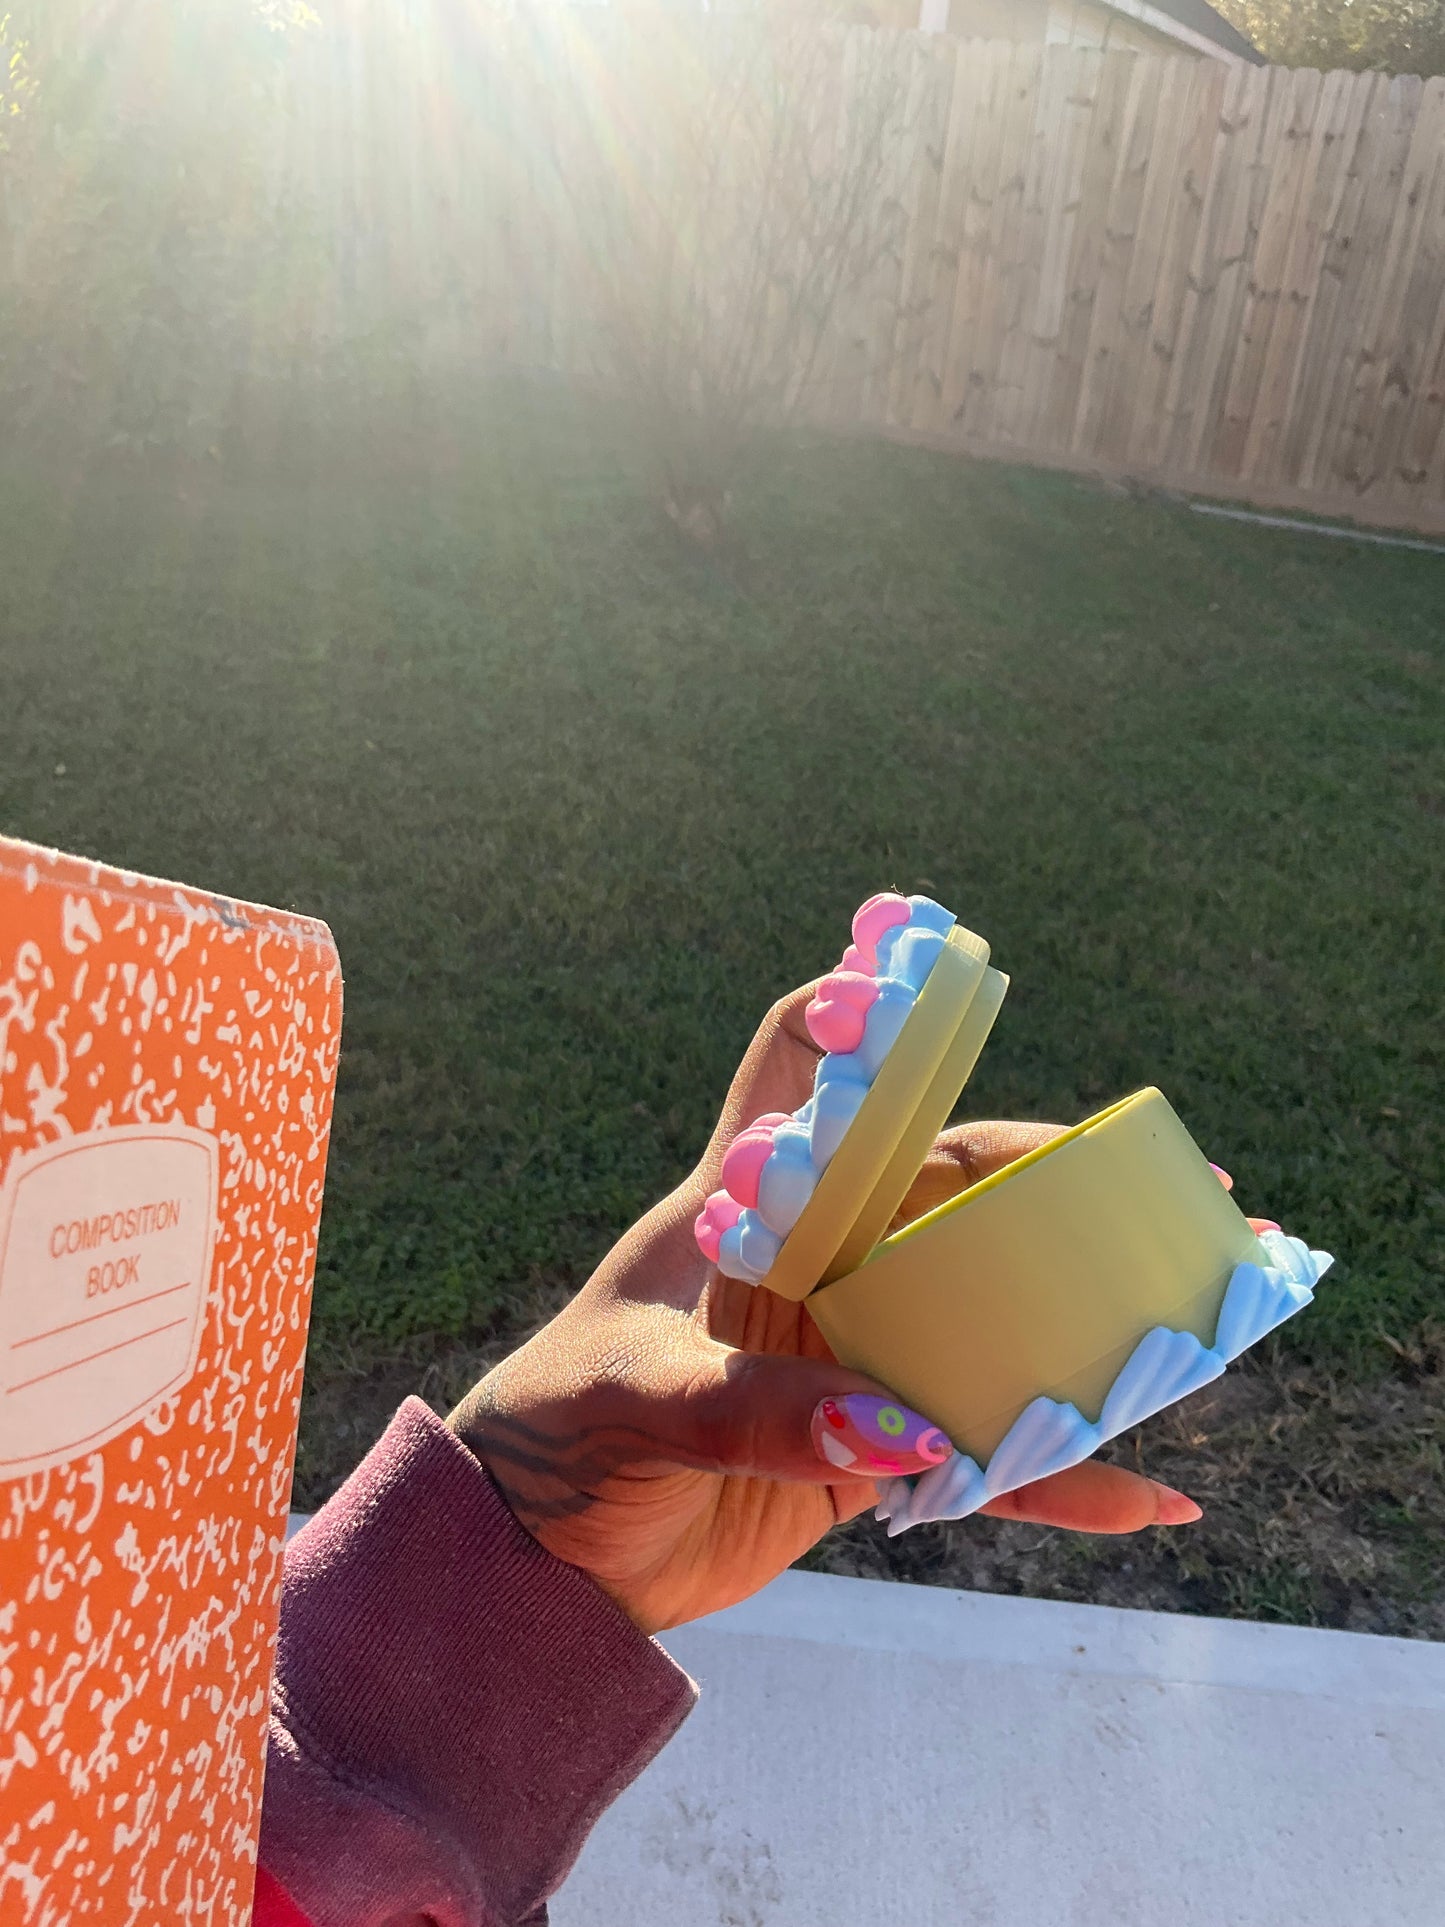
664	1431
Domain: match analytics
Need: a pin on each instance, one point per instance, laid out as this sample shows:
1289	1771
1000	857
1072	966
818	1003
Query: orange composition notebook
167	1064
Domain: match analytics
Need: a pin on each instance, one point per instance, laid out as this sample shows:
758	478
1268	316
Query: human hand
666	1431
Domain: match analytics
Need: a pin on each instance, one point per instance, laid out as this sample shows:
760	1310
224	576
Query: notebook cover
167	1065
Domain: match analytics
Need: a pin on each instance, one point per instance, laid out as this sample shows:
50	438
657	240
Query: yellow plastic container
1038	1282
1044	1277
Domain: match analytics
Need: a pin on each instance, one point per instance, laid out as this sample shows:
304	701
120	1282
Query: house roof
1203	19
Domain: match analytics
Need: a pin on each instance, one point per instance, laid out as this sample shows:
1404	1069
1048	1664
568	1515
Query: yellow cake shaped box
1036	1314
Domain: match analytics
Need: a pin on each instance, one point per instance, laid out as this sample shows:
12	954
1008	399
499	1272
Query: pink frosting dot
839	1010
718	1215
880	913
746	1156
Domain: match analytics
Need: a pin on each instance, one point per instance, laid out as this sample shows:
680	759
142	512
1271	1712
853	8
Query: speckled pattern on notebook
167	1062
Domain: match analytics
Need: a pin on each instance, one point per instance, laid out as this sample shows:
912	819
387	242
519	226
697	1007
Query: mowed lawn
579	803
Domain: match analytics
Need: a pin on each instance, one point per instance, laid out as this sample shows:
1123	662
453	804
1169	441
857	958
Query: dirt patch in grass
1324	1505
1324	1500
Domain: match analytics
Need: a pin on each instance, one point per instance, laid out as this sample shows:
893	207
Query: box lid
910	1100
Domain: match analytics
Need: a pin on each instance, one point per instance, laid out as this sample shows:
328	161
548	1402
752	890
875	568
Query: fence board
1045	325
1384	343
1224	186
925	182
1422	437
966	107
992	286
1406	390
1087	265
806	390
1433	488
1003	79
1145	230
885	281
1249	129
816	384
846	345
1151	377
1336	134
1123	196
1370	125
1025	238
1235	340
1246	399
1357	259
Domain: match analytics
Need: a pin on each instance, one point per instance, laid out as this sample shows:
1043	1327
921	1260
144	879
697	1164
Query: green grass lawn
579	803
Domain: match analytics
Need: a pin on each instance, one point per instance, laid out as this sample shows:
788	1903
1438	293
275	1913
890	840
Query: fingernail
1265	1224
863	1433
1176	1509
1224	1178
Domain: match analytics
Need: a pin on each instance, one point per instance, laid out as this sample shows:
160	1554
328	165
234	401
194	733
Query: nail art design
876	1437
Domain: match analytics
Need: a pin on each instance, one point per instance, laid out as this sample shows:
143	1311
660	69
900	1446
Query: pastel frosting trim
772	1168
1049	1436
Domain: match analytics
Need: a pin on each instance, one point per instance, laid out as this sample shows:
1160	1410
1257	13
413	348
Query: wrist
546	1501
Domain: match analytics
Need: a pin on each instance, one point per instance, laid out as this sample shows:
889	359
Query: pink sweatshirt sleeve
453	1708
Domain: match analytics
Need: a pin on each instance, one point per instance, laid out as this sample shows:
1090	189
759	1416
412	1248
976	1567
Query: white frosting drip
1165	1366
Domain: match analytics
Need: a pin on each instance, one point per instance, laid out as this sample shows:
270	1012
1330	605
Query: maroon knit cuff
435	1660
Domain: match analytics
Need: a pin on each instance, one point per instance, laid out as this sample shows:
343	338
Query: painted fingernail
1224	1178
1176	1508
863	1433
1265	1224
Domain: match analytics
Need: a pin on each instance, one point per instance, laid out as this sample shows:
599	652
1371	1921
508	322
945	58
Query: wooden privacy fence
1229	279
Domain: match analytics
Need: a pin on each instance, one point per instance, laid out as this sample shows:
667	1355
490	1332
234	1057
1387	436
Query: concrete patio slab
875	1753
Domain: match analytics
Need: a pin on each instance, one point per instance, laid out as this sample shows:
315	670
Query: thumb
803	1419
